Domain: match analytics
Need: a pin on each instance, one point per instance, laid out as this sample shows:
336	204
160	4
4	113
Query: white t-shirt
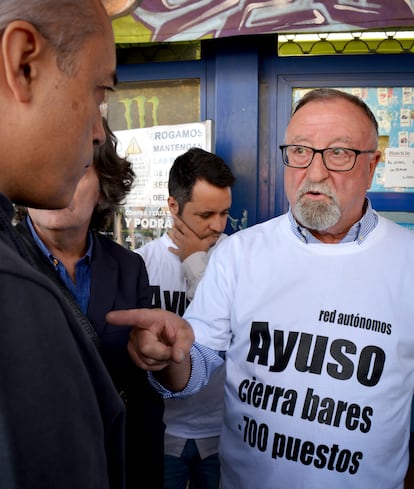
320	357
201	415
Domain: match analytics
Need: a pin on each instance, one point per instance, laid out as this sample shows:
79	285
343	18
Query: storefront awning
181	20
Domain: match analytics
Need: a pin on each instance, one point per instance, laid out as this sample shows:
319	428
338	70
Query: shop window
141	104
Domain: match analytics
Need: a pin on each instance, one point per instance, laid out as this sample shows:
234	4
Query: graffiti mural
183	20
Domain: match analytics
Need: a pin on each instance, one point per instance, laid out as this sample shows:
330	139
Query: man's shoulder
27	284
11	263
157	245
113	248
162	265
270	226
394	235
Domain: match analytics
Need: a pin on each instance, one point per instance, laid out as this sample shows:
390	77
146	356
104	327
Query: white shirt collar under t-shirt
358	232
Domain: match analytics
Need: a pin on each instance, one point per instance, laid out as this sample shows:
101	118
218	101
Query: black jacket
61	420
119	280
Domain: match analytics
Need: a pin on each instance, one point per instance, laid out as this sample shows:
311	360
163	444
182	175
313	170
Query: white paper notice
152	151
399	167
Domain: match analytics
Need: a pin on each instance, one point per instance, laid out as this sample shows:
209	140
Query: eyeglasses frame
321	151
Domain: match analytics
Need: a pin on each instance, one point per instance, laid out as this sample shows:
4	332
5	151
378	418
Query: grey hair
65	24
320	94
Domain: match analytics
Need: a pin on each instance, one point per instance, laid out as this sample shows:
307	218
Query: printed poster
152	151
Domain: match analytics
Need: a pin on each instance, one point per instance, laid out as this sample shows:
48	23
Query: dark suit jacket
62	422
119	280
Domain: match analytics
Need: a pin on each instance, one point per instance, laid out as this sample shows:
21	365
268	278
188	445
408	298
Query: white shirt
201	415
320	356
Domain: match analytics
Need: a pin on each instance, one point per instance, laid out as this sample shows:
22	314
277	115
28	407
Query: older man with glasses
313	314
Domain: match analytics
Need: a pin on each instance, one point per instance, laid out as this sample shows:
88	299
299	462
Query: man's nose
99	135
218	223
317	170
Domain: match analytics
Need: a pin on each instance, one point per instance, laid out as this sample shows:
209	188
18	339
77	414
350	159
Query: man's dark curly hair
116	178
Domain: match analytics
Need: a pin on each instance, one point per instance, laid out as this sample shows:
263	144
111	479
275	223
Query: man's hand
187	241
160	341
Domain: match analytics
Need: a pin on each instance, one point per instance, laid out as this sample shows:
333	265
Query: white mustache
319	188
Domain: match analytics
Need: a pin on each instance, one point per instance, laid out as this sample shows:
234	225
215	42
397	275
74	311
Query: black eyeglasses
334	159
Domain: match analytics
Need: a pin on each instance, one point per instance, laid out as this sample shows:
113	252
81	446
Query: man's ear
373	165
173	206
21	46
